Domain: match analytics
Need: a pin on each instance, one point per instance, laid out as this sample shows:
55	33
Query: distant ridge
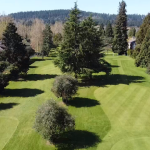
51	16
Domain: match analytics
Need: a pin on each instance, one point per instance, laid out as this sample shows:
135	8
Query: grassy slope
114	108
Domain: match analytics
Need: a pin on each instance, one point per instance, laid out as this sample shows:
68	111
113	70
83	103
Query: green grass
111	112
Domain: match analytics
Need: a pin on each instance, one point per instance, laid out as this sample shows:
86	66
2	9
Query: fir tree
91	45
15	50
47	40
109	30
143	59
143	30
69	52
120	44
141	35
102	30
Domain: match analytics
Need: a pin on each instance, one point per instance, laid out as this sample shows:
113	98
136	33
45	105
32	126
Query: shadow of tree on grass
4	106
83	102
76	139
35	77
21	92
33	67
115	79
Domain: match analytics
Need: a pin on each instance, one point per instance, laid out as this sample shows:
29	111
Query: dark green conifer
143	58
120	43
102	29
141	35
109	30
15	50
47	41
91	45
69	51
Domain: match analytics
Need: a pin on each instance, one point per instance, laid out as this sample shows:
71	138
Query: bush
4	80
65	86
52	120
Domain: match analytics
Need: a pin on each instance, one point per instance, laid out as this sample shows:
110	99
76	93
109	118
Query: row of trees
15	56
52	120
142	50
53	16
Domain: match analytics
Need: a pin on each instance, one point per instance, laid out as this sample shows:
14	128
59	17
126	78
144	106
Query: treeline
142	50
52	16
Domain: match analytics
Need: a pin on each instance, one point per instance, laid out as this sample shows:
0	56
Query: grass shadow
115	79
76	139
36	77
33	67
83	102
21	92
114	66
4	106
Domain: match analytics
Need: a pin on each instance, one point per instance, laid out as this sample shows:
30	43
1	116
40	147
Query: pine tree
141	35
143	59
120	44
69	52
102	30
15	50
47	40
91	45
109	30
143	30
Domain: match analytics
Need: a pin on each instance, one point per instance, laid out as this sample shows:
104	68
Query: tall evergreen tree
69	52
143	59
47	40
102	29
109	30
91	45
120	44
141	35
15	50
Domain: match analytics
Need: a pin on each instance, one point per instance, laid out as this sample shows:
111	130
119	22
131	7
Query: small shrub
4	81
65	86
52	120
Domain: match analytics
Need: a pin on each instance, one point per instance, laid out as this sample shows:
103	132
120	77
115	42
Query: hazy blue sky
100	6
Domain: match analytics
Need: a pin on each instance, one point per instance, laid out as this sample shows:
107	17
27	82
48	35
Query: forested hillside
51	16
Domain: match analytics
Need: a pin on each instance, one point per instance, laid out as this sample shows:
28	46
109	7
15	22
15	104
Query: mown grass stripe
138	110
116	105
129	106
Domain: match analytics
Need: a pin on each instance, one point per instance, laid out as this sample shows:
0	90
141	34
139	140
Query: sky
99	6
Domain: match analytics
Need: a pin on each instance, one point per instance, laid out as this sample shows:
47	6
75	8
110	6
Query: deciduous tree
52	120
65	86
